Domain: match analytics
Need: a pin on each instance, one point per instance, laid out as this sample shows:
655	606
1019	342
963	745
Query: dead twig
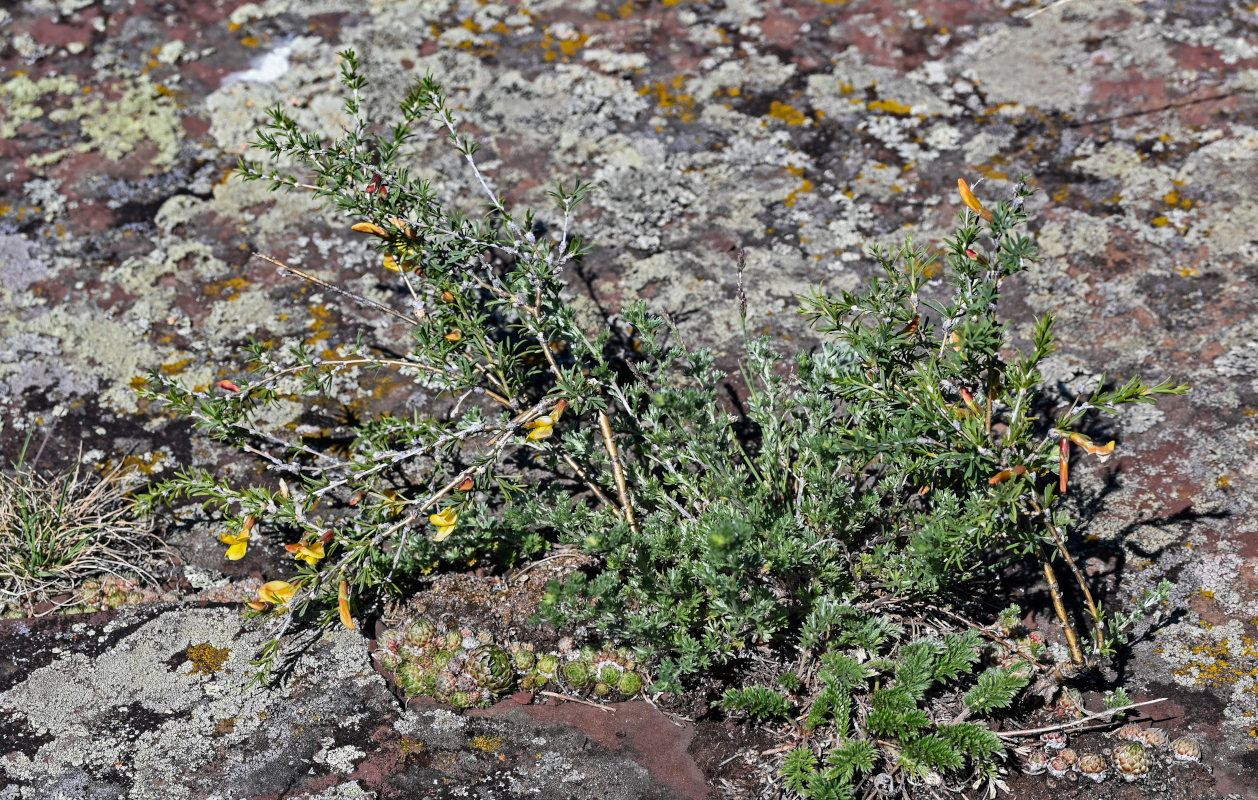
1073	723
579	700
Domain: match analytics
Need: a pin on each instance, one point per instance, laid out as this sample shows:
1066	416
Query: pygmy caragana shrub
902	456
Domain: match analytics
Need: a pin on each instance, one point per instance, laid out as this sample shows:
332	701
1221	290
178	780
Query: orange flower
1102	452
971	201
228	385
968	399
1064	464
238	542
277	593
369	227
310	553
455	335
342	603
1006	474
467	485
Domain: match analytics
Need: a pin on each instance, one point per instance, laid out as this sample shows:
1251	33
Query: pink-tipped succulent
1132	760
1053	740
1186	748
1131	732
1068	755
1070	702
1057	766
1035	762
1156	737
1091	765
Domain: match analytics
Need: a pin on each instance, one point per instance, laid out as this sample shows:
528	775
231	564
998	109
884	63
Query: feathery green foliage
906	454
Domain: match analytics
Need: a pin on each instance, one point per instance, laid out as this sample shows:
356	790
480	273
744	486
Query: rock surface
153	702
802	131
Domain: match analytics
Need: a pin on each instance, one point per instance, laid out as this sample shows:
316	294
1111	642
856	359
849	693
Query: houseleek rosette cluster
467	669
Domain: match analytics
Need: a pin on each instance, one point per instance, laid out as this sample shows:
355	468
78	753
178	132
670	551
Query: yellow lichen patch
804	187
487	744
229	289
566	47
930	269
1223	481
787	113
1217	666
1161	222
669	99
250	41
1188	272
990	171
176	367
410	747
321	324
1174	198
207	659
890	107
146	464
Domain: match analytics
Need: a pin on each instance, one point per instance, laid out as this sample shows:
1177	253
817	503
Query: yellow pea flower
276	592
238	543
445	522
540	428
543	427
310	553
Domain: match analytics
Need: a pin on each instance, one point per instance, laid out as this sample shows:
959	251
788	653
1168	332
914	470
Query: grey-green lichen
20	98
112	125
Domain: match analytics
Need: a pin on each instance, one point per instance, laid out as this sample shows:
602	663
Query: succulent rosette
1132	760
1186	748
1092	765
